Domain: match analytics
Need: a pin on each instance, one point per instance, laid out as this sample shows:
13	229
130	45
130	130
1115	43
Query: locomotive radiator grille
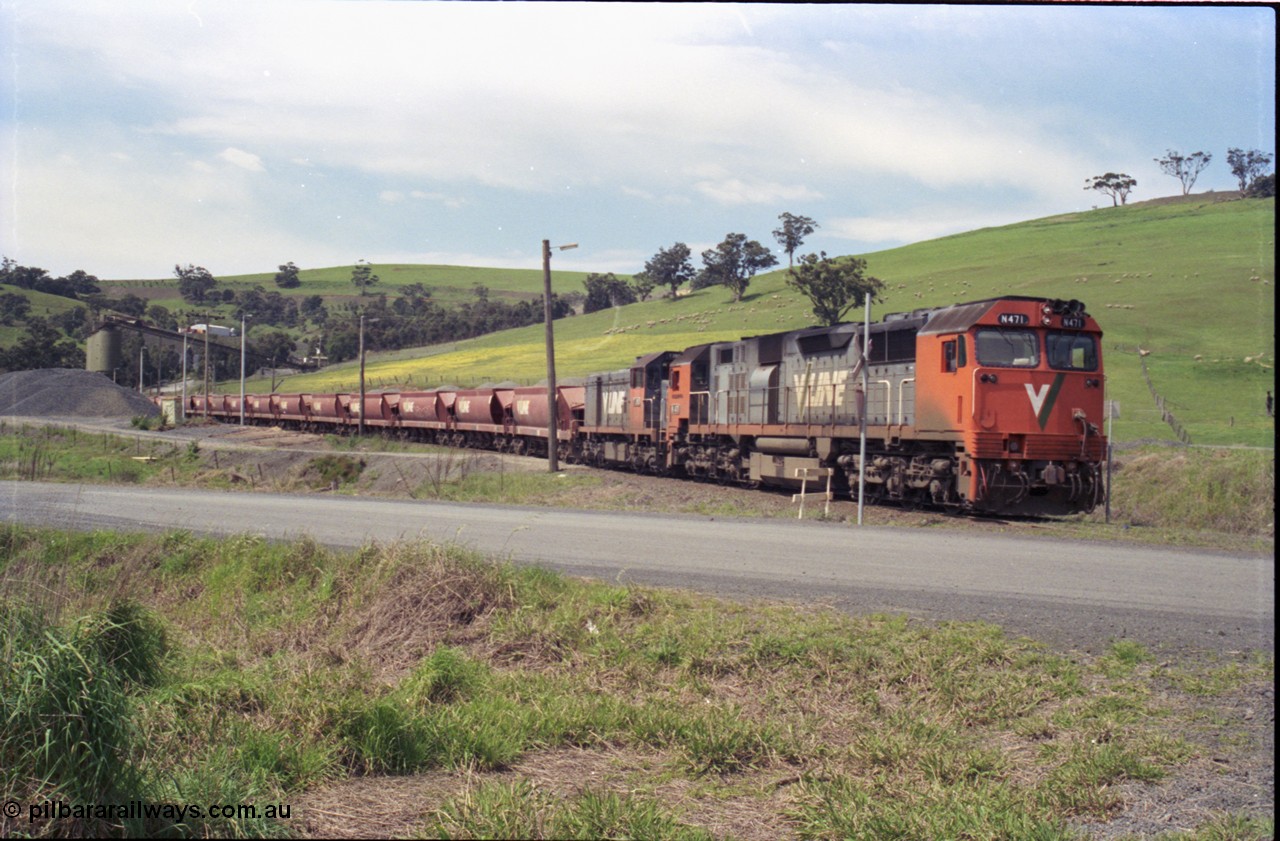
1037	447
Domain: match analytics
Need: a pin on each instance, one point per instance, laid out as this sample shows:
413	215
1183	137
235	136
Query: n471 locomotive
991	406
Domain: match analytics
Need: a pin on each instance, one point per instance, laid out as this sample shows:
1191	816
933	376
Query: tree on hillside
1264	186
159	316
74	285
415	292
271	345
606	290
670	267
287	277
81	282
314	310
1247	166
13	307
1118	185
833	286
74	322
363	277
24	277
734	262
642	285
1185	168
41	347
792	233
194	283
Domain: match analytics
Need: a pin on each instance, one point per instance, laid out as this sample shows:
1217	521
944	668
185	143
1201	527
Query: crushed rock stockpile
69	393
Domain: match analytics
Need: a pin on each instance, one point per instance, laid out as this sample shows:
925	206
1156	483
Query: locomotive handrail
973	393
705	404
902	390
888	397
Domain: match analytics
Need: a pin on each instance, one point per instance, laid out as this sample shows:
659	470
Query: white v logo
1037	398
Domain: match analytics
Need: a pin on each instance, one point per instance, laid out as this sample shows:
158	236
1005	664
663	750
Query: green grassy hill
448	285
42	305
1191	282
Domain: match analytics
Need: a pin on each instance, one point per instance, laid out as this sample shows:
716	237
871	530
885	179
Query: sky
237	135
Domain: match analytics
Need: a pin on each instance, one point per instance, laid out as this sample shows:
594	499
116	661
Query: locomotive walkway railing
805	405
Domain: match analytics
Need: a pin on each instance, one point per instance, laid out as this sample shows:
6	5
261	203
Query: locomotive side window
1072	351
953	355
1007	348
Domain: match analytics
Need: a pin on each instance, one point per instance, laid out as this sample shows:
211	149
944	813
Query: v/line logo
1043	398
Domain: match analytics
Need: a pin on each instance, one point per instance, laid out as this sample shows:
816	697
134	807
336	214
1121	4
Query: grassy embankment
182	670
1182	280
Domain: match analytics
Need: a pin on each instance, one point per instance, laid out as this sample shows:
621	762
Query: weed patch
332	471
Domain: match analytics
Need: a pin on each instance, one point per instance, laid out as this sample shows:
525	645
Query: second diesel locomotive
991	406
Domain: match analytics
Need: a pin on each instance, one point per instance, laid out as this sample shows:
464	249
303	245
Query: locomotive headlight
1045	321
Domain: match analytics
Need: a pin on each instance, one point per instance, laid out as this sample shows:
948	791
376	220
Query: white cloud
737	191
650	122
915	226
515	108
242	159
131	218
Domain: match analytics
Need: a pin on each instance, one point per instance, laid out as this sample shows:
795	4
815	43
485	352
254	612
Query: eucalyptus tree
1185	168
1118	185
833	286
734	262
670	267
792	233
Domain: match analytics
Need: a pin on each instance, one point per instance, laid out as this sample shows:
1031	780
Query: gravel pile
68	393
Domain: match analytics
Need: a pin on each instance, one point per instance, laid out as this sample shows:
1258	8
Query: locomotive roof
960	317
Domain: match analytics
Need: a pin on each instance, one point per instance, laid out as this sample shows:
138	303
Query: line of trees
1249	168
832	285
408	320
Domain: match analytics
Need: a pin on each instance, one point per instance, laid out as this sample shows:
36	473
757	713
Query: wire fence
1163	405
